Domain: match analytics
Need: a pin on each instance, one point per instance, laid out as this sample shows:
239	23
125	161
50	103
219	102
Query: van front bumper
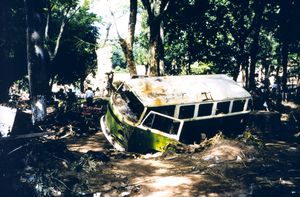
108	136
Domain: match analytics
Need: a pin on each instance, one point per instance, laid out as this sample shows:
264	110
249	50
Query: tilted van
148	114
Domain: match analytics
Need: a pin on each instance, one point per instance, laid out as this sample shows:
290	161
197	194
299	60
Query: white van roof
174	90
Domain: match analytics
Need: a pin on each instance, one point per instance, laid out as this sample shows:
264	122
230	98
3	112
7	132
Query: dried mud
78	161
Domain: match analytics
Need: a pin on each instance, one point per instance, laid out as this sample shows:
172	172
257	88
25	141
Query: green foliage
22	84
249	138
118	69
140	54
140	48
220	33
201	68
295	63
77	56
207	36
118	58
201	32
143	37
12	45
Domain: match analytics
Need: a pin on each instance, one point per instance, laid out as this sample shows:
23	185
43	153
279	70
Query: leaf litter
220	166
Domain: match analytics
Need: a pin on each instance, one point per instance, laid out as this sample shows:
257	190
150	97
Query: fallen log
30	135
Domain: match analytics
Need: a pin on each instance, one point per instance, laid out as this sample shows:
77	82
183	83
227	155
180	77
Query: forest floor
75	159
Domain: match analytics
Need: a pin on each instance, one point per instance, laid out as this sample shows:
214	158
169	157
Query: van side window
238	106
205	109
161	123
167	110
223	107
186	111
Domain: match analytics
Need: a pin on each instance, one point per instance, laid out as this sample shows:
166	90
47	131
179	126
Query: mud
78	161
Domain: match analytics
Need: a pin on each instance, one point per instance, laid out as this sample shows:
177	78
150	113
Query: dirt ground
77	163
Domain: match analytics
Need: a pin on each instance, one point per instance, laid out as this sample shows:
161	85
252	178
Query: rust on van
147	114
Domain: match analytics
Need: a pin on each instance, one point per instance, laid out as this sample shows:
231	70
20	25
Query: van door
162	124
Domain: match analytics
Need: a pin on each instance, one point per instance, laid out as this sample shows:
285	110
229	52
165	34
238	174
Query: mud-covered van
148	114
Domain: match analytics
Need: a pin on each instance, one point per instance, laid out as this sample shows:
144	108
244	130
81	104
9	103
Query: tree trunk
127	45
243	73
259	8
38	82
240	38
4	87
240	57
188	69
51	82
156	11
239	65
128	53
4	64
266	66
277	74
253	55
131	30
82	84
156	49
246	64
161	51
284	52
154	60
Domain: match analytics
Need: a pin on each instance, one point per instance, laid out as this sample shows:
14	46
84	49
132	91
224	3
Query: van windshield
128	104
169	126
161	123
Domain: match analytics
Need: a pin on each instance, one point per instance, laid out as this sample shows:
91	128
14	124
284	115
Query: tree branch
147	6
83	41
61	30
107	34
114	20
47	21
164	6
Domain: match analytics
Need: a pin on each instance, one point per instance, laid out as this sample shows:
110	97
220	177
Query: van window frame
211	110
239	100
173	136
187	105
229	102
196	111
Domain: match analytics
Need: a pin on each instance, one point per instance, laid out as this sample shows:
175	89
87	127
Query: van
149	114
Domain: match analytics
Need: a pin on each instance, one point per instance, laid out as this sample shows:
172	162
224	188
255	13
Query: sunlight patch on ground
144	167
171	181
85	148
170	185
95	142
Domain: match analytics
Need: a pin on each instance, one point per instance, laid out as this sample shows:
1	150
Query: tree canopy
77	57
12	44
231	34
69	39
180	36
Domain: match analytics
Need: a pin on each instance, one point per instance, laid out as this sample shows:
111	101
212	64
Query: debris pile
51	168
245	166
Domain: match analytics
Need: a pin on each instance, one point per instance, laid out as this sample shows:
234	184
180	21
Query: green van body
149	114
132	138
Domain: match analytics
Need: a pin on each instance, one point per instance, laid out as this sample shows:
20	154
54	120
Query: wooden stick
30	135
17	149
